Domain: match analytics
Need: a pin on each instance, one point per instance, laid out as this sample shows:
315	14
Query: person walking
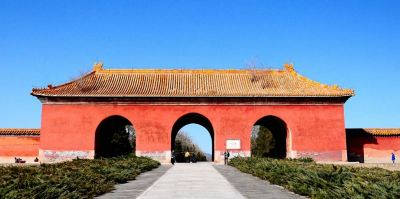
393	157
226	157
173	157
187	156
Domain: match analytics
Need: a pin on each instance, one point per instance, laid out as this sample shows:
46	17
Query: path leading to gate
199	180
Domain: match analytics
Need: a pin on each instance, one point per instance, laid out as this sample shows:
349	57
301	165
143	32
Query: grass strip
73	179
307	178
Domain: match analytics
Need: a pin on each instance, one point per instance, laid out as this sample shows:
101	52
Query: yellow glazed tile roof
192	83
19	132
376	131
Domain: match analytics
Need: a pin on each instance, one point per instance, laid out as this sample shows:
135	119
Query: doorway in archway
192	133
115	136
268	138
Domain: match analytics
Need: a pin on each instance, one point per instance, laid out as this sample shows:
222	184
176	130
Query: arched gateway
195	118
269	138
115	136
228	103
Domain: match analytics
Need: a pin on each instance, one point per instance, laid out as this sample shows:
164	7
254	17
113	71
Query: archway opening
115	136
192	126
268	138
195	139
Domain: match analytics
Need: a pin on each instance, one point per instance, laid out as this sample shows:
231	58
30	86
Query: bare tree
183	143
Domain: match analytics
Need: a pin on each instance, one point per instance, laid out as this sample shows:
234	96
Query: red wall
372	149
19	146
313	130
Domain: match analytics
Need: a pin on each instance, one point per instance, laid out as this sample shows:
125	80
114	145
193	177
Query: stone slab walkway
253	187
199	180
136	187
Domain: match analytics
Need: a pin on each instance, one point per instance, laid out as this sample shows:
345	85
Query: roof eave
154	96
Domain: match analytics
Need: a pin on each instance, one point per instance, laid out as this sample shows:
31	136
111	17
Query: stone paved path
199	180
253	187
136	187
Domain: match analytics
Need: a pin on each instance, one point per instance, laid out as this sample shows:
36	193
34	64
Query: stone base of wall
320	156
164	157
220	158
10	160
53	156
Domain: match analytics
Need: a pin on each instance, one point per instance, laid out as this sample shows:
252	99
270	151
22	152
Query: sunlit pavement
197	180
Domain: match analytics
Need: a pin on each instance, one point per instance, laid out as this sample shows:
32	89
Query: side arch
195	118
269	137
115	136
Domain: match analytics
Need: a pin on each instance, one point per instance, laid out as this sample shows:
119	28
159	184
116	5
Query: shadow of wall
355	141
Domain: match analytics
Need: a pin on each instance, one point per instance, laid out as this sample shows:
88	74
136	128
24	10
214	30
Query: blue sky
354	44
200	136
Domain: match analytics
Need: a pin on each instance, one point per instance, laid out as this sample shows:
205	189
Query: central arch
194	118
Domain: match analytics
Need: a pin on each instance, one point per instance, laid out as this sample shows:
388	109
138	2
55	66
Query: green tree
262	141
122	141
115	138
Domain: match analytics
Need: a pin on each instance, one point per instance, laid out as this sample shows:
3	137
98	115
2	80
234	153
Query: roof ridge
275	82
317	83
99	68
205	71
65	84
376	131
20	131
379	128
382	128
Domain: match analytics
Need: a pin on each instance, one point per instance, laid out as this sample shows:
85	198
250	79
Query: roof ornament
98	66
289	67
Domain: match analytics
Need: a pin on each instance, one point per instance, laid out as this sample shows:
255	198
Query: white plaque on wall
232	144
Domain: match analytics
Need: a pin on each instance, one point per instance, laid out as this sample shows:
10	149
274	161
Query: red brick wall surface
372	149
19	146
313	130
